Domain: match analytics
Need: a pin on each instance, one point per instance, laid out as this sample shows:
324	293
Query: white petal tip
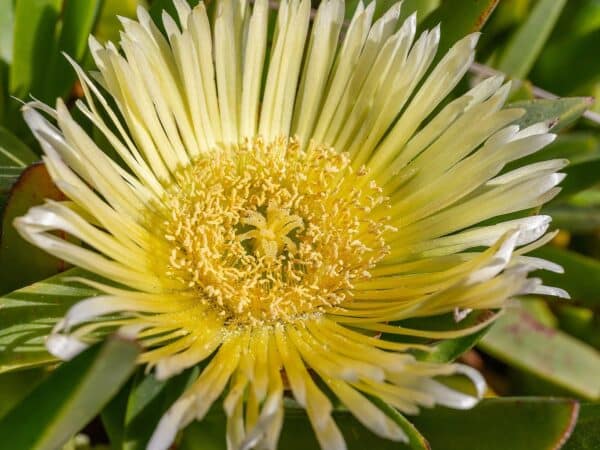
169	425
64	347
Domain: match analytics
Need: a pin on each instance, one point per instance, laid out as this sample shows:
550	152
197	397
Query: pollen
265	233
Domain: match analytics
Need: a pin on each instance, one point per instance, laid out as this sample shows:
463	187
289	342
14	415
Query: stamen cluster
271	232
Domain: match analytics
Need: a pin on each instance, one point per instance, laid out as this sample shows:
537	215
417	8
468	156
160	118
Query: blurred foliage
540	347
494	424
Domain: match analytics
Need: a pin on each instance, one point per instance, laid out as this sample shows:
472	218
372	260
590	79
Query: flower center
264	233
271	232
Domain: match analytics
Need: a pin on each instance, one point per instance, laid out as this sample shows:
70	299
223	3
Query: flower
277	210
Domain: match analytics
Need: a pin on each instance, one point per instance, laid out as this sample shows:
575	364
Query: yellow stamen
268	232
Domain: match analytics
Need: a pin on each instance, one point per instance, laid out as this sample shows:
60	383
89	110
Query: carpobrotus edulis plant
278	209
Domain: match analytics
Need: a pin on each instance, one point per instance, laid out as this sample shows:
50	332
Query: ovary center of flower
272	231
263	233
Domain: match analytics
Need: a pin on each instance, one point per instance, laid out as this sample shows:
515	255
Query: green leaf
450	349
44	29
563	111
416	440
540	310
569	52
34	43
113	415
581	278
422	7
70	397
8	177
78	20
158	6
583	152
148	401
14	386
578	18
108	25
576	219
523	49
15	156
588	197
7	14
457	20
579	322
519	340
209	434
21	262
297	433
579	177
3	90
28	315
494	424
526	423
507	16
131	417
586	435
13	152
577	147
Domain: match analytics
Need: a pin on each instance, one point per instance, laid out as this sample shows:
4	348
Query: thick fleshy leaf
35	22
78	19
577	147
416	440
210	434
579	177
131	416
519	340
508	15
587	432
581	278
588	197
422	7
158	6
70	397
580	322
28	315
15	156
569	51
525	423
577	219
458	19
113	415
22	263
582	150
526	44
450	349
3	90
297	434
562	111
13	152
148	400
494	424
8	177
43	30
14	386
108	26
7	16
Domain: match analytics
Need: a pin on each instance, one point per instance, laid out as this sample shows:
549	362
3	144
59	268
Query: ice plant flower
279	210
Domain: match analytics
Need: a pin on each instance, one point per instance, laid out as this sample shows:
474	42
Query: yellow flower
278	209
